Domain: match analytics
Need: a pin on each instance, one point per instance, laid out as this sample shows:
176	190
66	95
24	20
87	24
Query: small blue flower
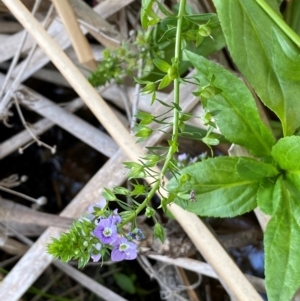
106	231
123	250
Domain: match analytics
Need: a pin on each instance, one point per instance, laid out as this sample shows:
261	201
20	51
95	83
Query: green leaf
141	81
146	118
146	6
177	107
268	195
210	141
108	195
124	282
153	98
83	260
219	190
282	241
159	232
136	170
199	40
202	18
138	189
293	183
251	169
148	17
132	165
149	88
121	190
161	65
238	118
190	35
258	56
186	116
286	58
169	34
164	82
286	153
152	159
166	48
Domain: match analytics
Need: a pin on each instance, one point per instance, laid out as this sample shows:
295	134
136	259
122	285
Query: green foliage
281	243
159	232
108	195
237	117
75	244
229	186
286	153
258	58
268	195
220	190
162	38
251	169
114	65
286	58
136	170
148	16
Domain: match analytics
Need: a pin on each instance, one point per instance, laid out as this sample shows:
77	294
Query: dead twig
12	212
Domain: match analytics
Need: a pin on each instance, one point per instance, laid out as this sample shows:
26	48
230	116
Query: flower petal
96	257
130	254
117	255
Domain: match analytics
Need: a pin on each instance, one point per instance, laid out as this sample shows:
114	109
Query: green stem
177	57
279	21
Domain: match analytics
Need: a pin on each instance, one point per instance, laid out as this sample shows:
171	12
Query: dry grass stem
78	40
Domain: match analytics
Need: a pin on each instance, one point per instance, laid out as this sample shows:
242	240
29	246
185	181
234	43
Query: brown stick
78	40
12	212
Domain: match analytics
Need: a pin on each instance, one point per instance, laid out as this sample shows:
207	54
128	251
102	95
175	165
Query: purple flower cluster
107	232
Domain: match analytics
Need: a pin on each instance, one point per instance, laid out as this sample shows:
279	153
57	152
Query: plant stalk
177	57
